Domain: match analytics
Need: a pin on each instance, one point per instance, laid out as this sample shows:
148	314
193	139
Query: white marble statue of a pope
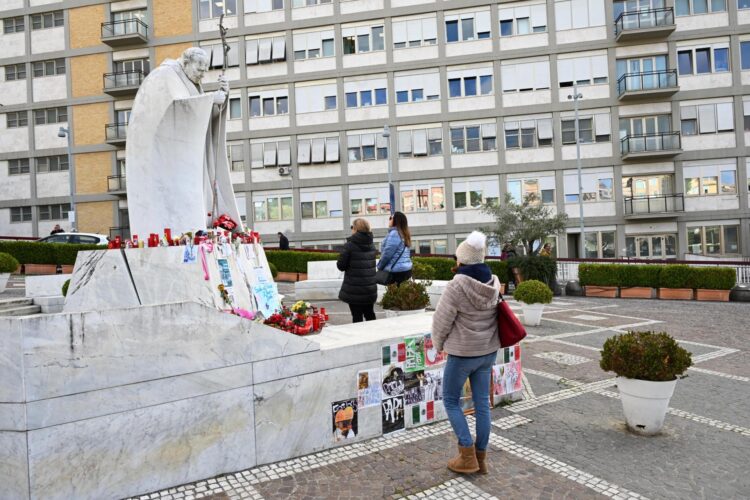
177	169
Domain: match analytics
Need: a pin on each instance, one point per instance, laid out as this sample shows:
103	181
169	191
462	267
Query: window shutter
251	52
264	6
233	56
332	149
505	14
562	16
688	112
565	70
570	183
602	124
582	68
599	67
596	12
414	30
706	118
725	116
285	153
429	28
539	15
303	152
746	108
382	142
483	21
318	150
420	142
279	49
399	32
404	142
541	75
368	139
580	12
435	134
489	130
269	154
265	50
508	74
544	128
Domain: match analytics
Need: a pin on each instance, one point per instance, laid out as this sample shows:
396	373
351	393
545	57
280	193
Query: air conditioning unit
285	170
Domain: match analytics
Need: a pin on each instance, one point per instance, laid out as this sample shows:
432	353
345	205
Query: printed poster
498	380
224	273
414	353
267	298
369	391
344	415
393	382
414	387
433	385
513	377
431	356
392	414
394	354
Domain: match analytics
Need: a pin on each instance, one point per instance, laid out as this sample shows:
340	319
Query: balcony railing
123	81
648	19
116	132
122	231
647	82
660	144
665	203
116	183
126	30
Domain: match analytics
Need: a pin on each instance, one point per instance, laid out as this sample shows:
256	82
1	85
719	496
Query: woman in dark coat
357	260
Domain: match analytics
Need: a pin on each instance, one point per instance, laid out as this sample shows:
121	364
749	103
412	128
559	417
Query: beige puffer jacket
465	321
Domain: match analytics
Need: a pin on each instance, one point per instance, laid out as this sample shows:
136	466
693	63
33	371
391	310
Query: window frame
19	166
47	20
42	67
23	215
45	164
18	72
14	25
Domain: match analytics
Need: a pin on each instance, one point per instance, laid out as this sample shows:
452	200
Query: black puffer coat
357	260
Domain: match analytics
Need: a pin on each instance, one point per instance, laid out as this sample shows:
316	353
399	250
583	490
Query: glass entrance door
653	246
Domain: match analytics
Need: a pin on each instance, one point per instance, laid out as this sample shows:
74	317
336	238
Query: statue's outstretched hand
220	96
223	84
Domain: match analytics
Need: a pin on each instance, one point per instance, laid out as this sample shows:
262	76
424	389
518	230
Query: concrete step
21	311
14	303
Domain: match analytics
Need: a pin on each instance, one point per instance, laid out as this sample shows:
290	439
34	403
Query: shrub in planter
408	296
713	283
274	271
533	294
535	267
443	266
8	263
421	271
646	275
65	288
599	274
675	282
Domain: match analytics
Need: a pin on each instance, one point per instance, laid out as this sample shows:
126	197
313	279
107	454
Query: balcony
661	83
650	145
123	82
654	206
116	184
123	232
116	133
650	23
125	32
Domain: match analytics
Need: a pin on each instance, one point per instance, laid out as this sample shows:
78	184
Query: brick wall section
86	73
170	51
95	217
85	26
92	170
172	17
89	121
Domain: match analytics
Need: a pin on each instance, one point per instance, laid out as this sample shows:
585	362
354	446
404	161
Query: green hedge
657	276
292	261
33	252
676	276
598	275
645	275
713	278
441	265
536	267
499	269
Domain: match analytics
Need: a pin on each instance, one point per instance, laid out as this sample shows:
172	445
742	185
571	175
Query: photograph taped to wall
414	387
369	392
224	272
433	385
393	382
345	422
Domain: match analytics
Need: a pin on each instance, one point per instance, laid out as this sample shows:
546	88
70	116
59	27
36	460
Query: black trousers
400	277
362	310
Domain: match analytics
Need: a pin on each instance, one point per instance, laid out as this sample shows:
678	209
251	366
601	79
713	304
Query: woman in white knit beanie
465	326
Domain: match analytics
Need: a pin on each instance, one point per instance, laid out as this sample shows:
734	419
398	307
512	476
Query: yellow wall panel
85	26
170	51
172	17
92	170
95	217
86	74
89	121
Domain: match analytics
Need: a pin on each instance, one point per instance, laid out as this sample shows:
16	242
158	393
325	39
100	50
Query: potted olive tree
647	365
410	297
8	264
533	294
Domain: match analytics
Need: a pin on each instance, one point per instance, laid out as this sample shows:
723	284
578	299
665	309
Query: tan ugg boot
482	461
465	462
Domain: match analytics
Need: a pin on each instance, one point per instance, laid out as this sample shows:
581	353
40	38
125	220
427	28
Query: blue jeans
479	372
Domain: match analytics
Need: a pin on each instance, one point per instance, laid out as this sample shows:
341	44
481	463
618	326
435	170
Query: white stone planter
3	281
645	403
532	314
392	313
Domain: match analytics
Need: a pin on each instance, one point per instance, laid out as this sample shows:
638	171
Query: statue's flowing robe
176	160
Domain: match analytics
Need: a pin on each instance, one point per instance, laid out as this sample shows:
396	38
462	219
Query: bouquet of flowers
225	222
301	307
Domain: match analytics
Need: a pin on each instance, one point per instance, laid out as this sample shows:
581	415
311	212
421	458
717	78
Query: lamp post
391	193
575	96
65	132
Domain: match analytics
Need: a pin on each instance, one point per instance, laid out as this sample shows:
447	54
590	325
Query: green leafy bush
598	275
645	356
65	288
676	276
442	265
499	269
713	278
293	261
645	275
536	267
274	271
8	263
421	271
407	296
33	252
533	292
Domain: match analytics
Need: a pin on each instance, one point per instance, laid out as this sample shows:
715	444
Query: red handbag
509	328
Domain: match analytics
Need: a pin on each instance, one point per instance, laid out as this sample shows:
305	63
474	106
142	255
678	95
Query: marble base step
21	311
13	303
50	305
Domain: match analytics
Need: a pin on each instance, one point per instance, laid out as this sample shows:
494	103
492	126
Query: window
417	87
746	113
20	214
707	118
525	77
215	53
318	150
579	14
428	196
693	7
49	68
473	193
273	207
364	98
473	138
469	86
18	166
596	128
16	119
315	97
15	72
703	60
743	4
141	65
52	163
210	9
423	246
467	26
50	115
528	133
582	71
13	25
268	105
270	154
744	54
296	4
651	246
414	32
366	147
252	6
313	45
539	188
523	20
321	204
363	39
713	240
596	186
599	245
710	180
54	212
47	20
236	156
420	142
369	200
262	51
235	108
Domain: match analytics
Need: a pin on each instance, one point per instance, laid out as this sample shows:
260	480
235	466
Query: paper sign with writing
267	297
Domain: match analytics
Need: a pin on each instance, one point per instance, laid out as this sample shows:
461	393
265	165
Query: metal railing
124	27
116	131
647	80
123	79
643	19
663	203
567	269
650	143
116	183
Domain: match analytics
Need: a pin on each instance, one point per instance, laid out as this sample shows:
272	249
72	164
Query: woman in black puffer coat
357	260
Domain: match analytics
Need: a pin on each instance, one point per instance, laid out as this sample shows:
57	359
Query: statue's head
194	62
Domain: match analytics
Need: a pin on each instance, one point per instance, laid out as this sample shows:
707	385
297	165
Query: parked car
82	238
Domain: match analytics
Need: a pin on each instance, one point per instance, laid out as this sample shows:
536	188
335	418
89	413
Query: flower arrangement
301	319
301	307
225	295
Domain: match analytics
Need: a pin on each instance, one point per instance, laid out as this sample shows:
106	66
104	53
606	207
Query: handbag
509	328
383	277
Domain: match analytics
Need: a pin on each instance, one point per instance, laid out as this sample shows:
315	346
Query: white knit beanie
471	250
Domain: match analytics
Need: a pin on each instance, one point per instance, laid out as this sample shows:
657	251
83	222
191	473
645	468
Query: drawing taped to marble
394	354
431	355
369	391
393	382
414	387
392	414
414	361
423	412
344	414
267	298
225	273
498	380
433	385
513	382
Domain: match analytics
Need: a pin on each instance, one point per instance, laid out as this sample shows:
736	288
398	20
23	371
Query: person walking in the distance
465	326
357	260
57	229
283	241
395	254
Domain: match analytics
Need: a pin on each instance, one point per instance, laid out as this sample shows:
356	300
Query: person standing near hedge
395	254
465	327
357	260
283	241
